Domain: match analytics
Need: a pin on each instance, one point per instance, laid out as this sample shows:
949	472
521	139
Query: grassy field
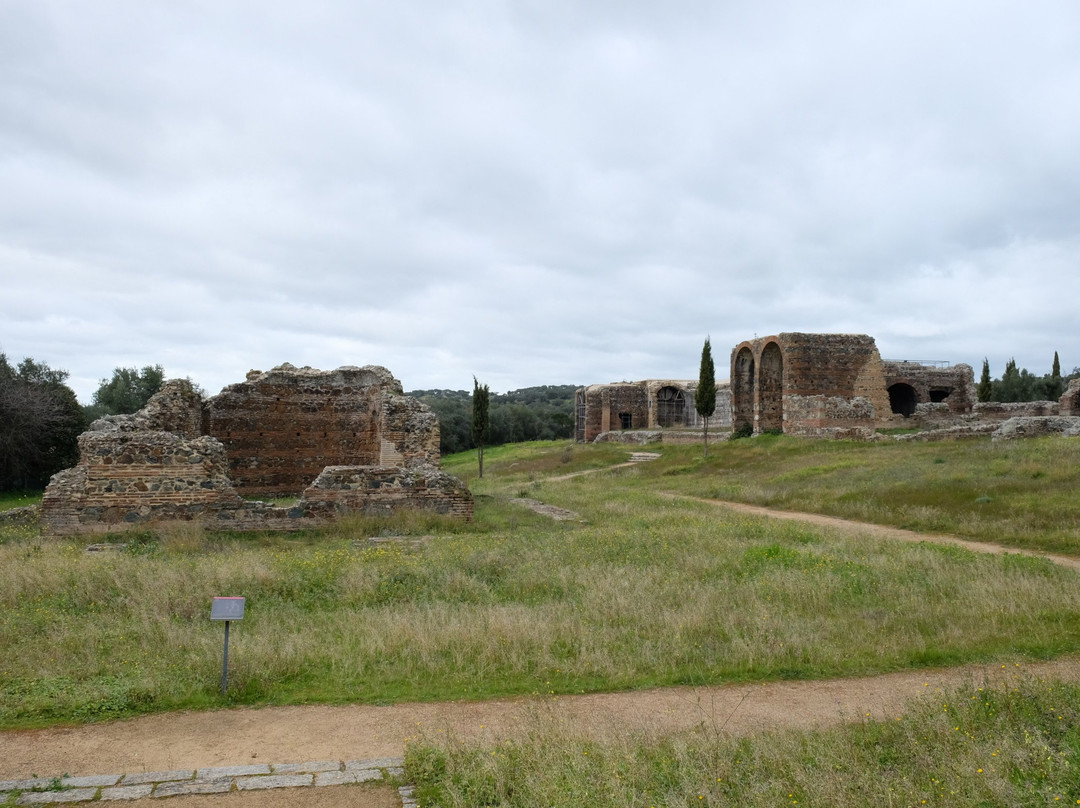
973	746
1017	493
642	590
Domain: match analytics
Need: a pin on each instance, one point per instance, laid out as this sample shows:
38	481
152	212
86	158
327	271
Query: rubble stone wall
380	490
953	385
1069	403
829	417
130	478
158	465
1003	411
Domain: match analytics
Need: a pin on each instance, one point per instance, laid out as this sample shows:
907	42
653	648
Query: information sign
227	609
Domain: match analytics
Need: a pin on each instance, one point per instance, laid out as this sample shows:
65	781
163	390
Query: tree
1056	386
705	395
480	420
40	423
127	391
986	387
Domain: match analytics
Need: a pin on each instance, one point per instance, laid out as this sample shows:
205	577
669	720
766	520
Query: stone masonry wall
127	479
809	384
953	385
1069	403
378	491
281	428
605	402
829	417
157	466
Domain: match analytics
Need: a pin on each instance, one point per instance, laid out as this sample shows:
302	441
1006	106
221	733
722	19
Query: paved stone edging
210	780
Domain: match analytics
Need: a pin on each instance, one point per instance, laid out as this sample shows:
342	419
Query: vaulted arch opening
771	390
670	406
742	391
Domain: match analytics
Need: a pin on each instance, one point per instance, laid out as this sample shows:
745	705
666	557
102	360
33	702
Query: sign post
226	609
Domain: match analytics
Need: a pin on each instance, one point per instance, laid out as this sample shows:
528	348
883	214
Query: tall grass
1016	493
1015	745
646	591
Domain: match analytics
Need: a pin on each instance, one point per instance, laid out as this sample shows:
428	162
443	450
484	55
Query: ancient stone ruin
340	441
605	409
835	385
819	385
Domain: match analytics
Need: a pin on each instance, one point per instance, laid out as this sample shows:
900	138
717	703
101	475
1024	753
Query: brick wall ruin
655	404
911	384
822	385
341	441
835	385
281	428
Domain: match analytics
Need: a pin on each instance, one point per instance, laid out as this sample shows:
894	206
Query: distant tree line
1018	384
532	413
41	418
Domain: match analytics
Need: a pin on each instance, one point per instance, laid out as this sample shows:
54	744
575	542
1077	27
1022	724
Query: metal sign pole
225	660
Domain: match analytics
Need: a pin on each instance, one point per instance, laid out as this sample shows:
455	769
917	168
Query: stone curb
209	780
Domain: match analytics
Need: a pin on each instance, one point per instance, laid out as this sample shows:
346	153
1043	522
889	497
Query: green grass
1015	745
1019	493
647	590
18	499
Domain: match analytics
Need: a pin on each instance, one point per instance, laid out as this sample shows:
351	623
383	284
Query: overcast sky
534	192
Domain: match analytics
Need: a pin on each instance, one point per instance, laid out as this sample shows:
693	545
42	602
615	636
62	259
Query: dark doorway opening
902	399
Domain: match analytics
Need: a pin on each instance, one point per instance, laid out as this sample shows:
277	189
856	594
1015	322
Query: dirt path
293	734
884	531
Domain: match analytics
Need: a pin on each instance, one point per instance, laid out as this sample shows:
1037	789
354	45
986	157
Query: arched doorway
671	406
902	399
742	392
771	390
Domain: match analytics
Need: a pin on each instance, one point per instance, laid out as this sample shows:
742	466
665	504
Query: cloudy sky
533	191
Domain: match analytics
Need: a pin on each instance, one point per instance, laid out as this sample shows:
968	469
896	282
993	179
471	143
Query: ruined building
650	405
835	385
339	441
821	385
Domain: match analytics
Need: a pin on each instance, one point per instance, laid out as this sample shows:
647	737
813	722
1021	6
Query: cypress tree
986	387
705	395
480	420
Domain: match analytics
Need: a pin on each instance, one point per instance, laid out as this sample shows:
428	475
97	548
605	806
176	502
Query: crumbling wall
829	417
380	490
281	428
606	408
808	384
607	404
157	465
953	385
1069	403
125	479
1004	410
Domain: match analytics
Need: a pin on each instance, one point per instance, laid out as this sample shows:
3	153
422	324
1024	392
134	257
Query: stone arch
902	399
742	390
771	389
670	406
939	394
